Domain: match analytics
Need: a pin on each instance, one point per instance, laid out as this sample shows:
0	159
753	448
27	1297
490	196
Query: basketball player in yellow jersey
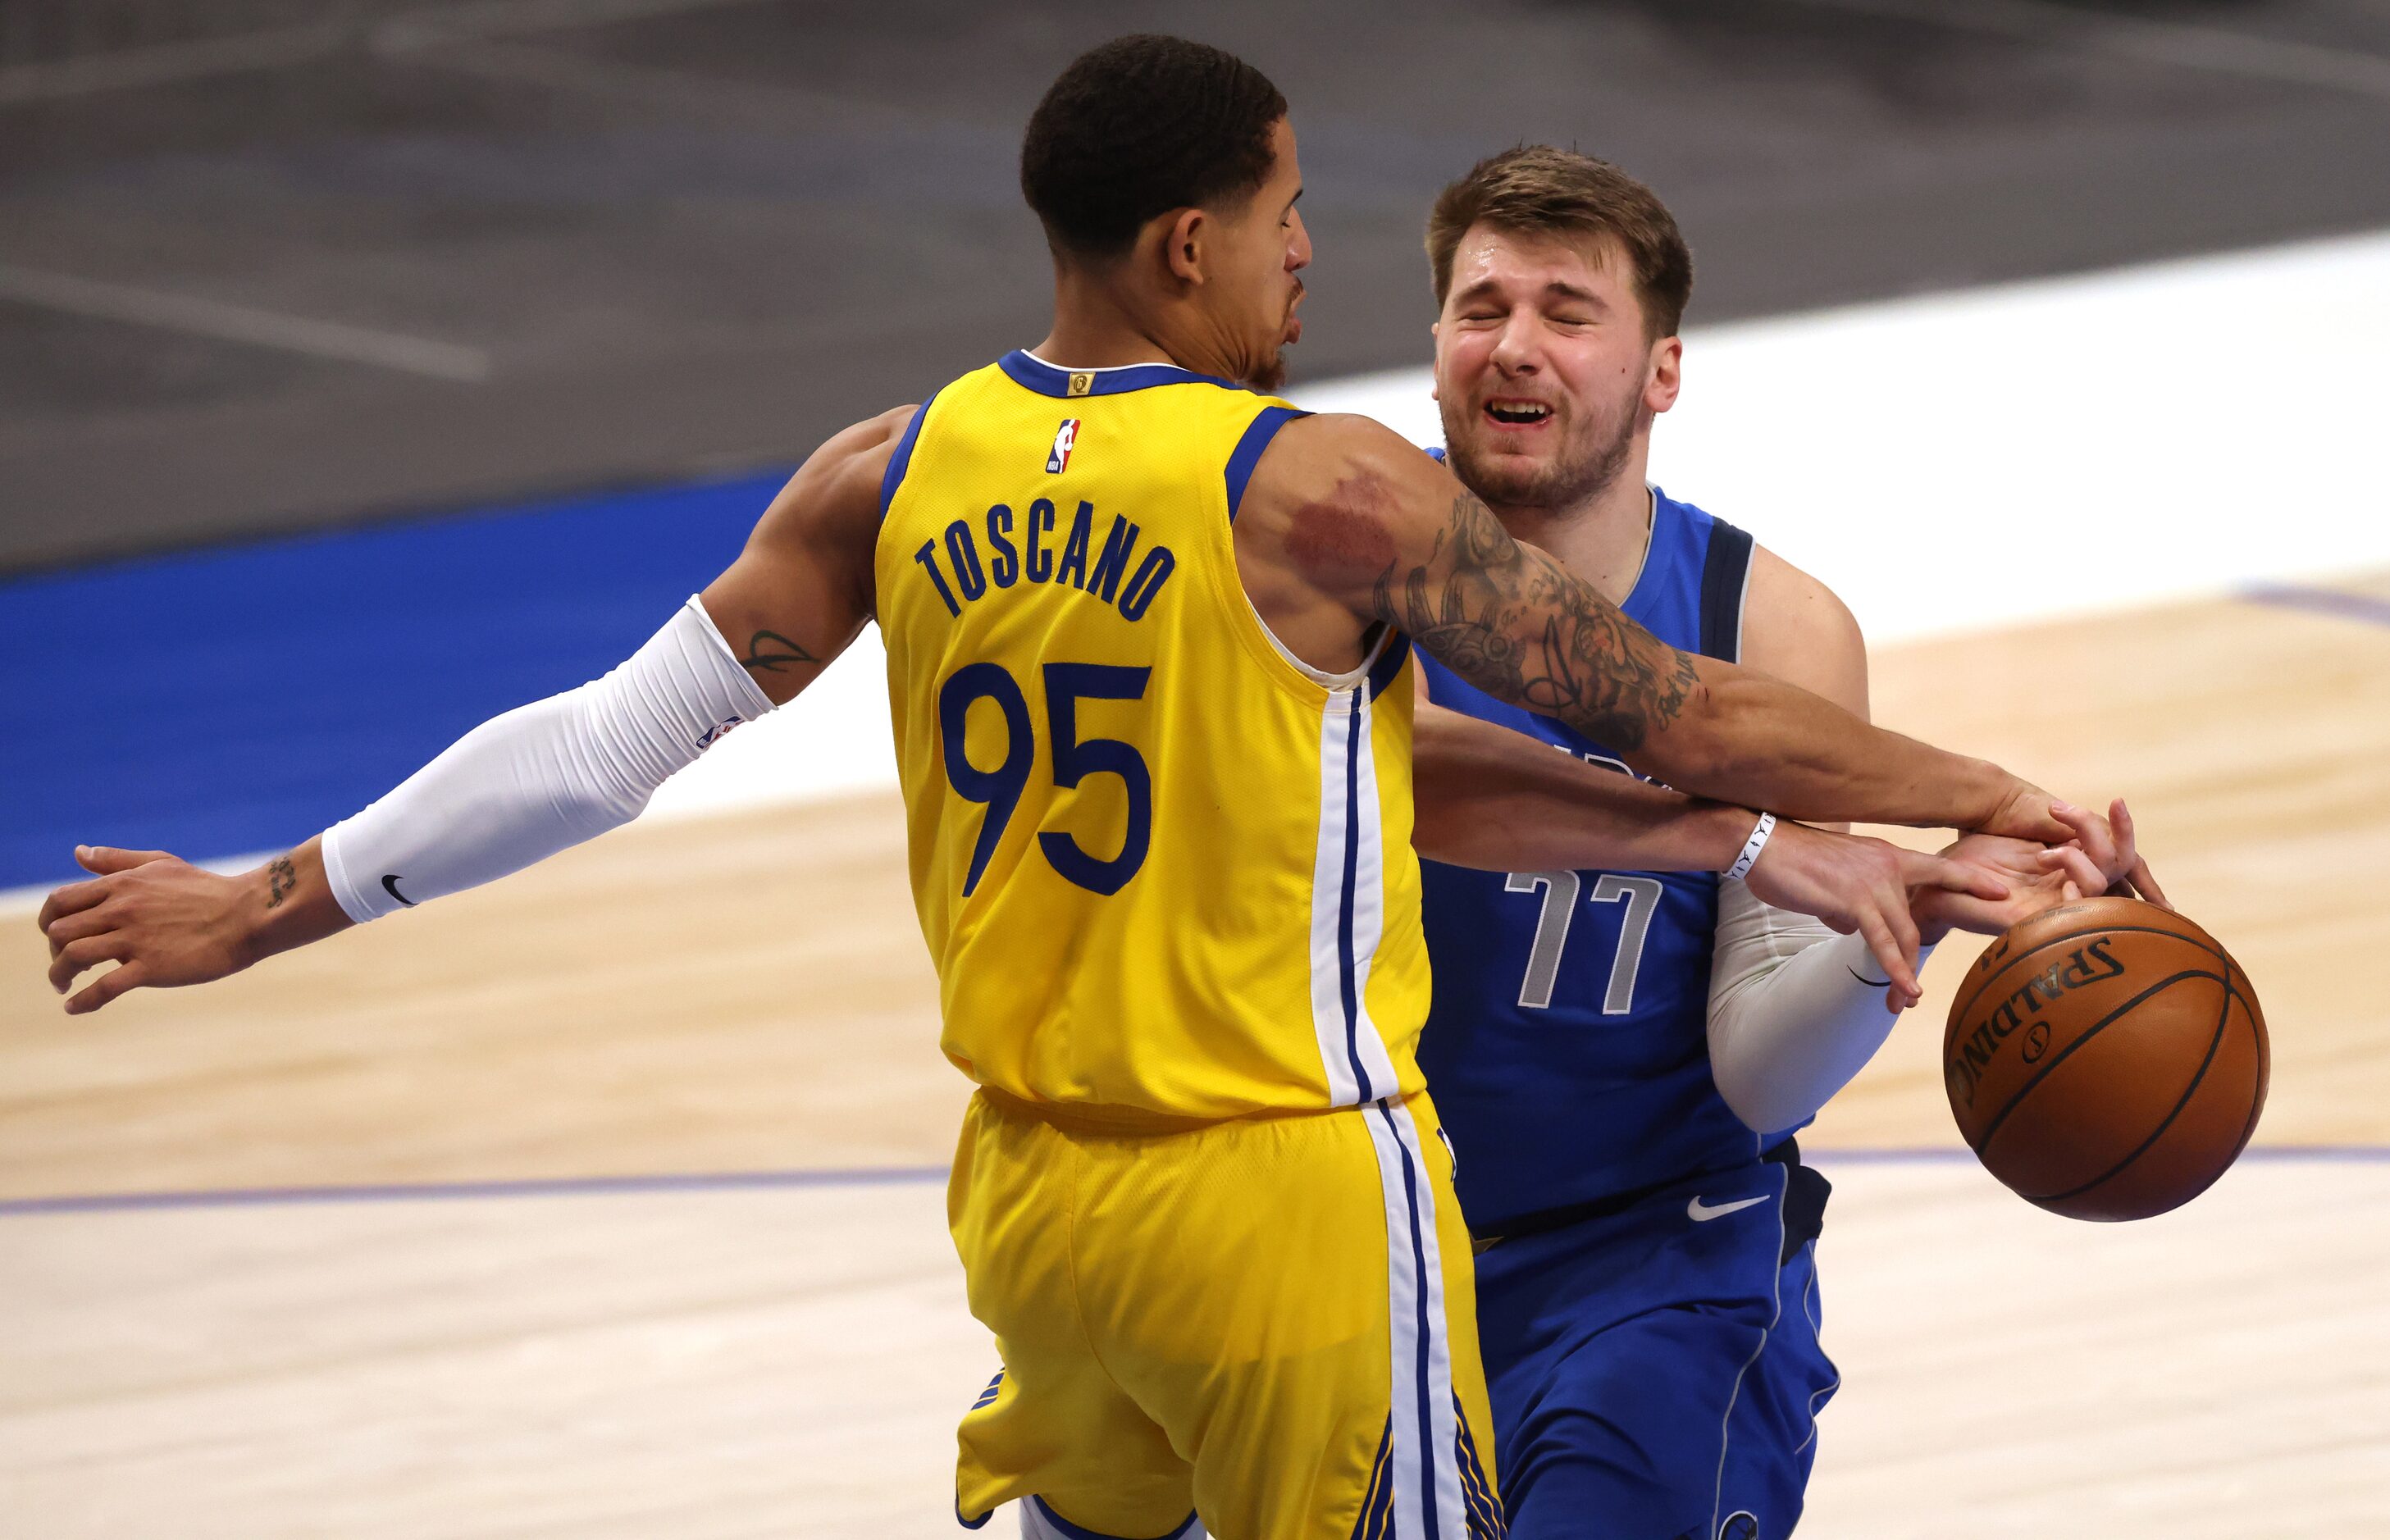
1145	641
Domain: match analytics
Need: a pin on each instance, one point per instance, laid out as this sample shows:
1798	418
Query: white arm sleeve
523	786
1793	1014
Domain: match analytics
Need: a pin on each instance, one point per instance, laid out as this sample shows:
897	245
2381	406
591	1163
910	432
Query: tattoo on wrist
1588	665
282	876
766	650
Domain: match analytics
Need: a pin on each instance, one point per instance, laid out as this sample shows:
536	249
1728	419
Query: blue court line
409	1192
2276	1154
872	1176
2362	608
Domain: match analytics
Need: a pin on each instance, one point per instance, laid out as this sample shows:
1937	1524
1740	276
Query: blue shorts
1655	1370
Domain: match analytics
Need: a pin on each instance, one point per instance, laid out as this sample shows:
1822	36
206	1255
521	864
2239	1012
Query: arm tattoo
766	650
1513	623
283	877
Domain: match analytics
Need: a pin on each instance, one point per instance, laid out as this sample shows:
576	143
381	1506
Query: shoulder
1340	496
1796	629
852	464
1349	437
834	497
862	451
1336	458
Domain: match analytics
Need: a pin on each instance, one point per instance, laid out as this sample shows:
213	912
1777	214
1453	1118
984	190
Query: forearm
1749	738
1516	623
1499	801
1795	1011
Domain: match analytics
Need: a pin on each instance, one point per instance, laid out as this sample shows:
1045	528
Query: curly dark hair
1139	126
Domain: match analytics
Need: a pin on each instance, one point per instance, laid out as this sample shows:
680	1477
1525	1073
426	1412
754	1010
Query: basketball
2106	1059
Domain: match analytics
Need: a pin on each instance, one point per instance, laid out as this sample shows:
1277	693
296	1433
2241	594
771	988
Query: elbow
1744	1093
1752	1106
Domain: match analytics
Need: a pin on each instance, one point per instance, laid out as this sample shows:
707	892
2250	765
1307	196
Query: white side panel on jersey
1424	1437
1328	1018
1369	891
1346	925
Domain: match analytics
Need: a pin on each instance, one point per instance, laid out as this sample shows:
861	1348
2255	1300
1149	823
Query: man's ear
1668	374
1185	244
1434	334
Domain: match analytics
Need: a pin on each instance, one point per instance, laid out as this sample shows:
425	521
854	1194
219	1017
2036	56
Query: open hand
164	922
1855	883
2109	845
2038	877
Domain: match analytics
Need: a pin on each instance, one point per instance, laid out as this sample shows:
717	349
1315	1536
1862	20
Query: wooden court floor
744	997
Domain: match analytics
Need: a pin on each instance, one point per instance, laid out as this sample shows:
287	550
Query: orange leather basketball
2106	1059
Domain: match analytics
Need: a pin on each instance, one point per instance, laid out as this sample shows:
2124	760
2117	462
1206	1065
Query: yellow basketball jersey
1165	870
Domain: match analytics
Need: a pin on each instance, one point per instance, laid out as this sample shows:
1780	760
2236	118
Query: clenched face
1543	372
1258	253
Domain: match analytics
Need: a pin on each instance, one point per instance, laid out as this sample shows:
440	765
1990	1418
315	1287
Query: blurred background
270	265
367	367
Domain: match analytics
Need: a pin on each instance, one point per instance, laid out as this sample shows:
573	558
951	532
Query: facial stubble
1585	467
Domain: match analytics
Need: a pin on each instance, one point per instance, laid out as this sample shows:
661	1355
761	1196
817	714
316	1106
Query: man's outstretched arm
1487	796
525	785
1370	524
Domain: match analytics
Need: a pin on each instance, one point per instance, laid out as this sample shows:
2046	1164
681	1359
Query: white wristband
1751	847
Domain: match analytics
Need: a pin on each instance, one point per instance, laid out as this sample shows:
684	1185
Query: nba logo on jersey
1058	458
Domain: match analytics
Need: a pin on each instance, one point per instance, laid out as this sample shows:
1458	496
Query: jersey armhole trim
902	459
1387	650
1248	453
1393	651
1726	579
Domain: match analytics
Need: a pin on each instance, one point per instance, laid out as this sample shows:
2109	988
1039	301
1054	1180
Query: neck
1602	537
1097	326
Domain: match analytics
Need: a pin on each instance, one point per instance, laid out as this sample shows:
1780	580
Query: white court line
2180	44
265	329
163	63
671	90
435	27
408	32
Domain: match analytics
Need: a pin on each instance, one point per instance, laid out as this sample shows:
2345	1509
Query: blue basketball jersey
1567	1047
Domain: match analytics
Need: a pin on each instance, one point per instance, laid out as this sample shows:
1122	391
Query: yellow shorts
1270	1322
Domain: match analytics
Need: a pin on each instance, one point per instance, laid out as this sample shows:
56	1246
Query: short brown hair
1535	189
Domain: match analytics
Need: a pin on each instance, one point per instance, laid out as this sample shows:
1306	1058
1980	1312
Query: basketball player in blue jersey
1620	1056
1172	904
